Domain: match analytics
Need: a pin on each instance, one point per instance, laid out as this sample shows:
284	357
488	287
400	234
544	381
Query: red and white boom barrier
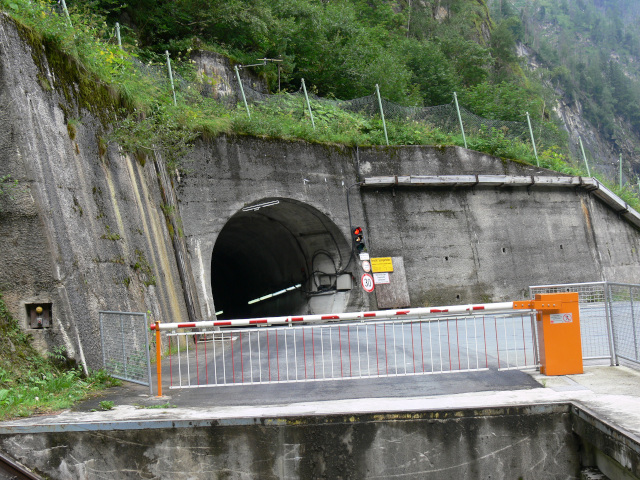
422	312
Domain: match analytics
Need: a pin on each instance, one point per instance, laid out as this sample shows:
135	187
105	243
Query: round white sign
367	282
366	266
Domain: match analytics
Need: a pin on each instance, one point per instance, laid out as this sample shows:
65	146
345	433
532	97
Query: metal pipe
118	35
304	87
244	99
533	140
66	12
175	103
455	98
584	157
384	124
159	357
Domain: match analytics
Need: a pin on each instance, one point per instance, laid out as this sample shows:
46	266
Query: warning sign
367	282
561	318
381	264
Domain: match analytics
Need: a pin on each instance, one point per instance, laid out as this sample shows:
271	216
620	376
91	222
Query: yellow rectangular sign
381	264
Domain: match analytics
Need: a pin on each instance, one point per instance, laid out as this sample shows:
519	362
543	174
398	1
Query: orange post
558	322
159	358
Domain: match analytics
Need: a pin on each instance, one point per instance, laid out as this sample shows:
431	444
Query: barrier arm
558	326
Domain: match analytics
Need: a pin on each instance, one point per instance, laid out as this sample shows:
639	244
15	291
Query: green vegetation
106	405
31	384
418	52
589	50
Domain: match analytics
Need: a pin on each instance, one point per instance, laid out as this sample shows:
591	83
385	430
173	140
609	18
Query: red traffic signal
357	235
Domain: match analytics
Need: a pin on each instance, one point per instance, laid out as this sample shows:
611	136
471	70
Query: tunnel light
275	294
219	313
255	208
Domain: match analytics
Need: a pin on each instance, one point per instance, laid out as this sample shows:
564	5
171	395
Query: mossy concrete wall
83	230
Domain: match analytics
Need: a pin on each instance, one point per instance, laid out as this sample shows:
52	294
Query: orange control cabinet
558	322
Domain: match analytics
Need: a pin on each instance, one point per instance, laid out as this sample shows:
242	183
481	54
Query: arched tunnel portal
279	257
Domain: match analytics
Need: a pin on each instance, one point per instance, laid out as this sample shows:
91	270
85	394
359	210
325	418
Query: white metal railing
368	347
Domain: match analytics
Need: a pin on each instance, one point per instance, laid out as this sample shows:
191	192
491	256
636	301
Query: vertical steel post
620	165
584	157
118	35
124	350
633	325
159	358
175	103
455	98
66	12
146	347
608	308
533	140
244	99
104	358
384	124
304	87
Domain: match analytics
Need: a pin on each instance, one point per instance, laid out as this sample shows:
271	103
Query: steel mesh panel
125	346
625	315
593	315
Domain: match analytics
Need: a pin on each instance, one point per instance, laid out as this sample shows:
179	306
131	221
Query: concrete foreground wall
84	230
499	443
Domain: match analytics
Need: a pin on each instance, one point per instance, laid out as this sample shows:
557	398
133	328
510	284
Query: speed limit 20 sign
367	282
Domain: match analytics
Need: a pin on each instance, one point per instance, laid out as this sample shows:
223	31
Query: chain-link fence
624	309
125	346
609	318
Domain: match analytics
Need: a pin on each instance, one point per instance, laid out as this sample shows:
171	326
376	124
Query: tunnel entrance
280	257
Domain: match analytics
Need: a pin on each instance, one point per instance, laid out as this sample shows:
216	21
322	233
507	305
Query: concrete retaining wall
499	443
459	245
84	230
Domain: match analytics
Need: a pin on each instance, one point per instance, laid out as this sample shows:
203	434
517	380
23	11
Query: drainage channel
557	440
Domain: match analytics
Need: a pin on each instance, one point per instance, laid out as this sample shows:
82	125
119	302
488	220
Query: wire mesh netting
625	315
125	346
593	316
227	92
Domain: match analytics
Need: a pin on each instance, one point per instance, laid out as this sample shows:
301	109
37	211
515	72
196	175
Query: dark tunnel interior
272	246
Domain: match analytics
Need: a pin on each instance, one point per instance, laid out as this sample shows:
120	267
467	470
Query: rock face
83	232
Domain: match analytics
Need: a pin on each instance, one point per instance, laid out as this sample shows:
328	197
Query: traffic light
357	234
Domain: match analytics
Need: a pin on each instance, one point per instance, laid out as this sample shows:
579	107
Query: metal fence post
609	317
146	349
384	125
533	140
304	87
66	12
118	35
633	325
620	165
158	358
104	358
584	157
244	99
173	90
455	98
124	349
